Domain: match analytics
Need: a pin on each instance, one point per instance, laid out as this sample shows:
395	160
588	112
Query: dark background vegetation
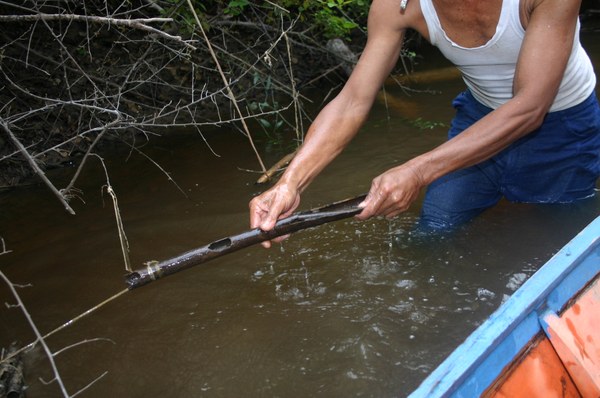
75	76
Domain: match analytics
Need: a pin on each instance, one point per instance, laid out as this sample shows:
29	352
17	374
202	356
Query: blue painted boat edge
479	360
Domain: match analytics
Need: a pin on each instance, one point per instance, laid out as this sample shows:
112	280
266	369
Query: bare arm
340	120
548	42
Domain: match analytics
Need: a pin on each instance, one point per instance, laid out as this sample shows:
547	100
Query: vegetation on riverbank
76	75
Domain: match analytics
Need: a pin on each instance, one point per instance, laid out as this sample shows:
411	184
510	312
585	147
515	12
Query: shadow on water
347	309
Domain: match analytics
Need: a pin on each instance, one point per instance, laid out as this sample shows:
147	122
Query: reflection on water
346	309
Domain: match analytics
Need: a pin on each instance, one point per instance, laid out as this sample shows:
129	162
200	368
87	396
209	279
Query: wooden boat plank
575	337
539	373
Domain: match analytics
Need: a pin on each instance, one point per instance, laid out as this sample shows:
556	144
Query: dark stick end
133	280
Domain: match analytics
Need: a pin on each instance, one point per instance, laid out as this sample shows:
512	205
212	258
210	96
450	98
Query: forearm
481	141
328	135
341	119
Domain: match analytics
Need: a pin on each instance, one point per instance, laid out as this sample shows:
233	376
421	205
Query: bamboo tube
296	222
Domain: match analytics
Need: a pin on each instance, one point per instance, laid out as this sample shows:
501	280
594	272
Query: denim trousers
557	163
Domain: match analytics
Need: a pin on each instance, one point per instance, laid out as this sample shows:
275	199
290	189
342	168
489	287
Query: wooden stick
296	222
267	175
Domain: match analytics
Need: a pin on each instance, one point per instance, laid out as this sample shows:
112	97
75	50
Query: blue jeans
557	163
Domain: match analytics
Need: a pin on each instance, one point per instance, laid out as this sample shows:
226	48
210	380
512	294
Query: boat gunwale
480	359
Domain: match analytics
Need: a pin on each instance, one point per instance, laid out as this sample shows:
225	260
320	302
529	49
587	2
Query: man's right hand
272	205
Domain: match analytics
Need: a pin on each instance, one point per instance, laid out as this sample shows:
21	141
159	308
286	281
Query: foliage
329	18
76	74
423	124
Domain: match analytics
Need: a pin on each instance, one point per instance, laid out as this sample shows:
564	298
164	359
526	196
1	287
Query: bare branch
39	338
227	85
120	228
35	167
66	324
89	384
86	341
4	251
137	23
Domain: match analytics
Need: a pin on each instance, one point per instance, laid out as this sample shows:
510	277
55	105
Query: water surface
347	309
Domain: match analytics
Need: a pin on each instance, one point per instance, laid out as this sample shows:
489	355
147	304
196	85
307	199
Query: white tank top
489	70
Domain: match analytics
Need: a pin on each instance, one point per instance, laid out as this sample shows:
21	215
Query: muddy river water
346	309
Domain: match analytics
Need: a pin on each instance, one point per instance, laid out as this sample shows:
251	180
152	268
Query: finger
266	244
391	208
291	209
394	213
257	212
272	215
372	204
281	238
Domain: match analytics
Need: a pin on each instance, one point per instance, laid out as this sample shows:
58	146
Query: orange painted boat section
575	336
540	374
565	362
544	341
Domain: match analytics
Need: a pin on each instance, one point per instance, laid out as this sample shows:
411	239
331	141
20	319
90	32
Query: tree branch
35	167
137	23
38	335
227	85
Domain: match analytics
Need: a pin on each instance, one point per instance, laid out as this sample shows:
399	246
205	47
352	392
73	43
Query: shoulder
548	9
386	15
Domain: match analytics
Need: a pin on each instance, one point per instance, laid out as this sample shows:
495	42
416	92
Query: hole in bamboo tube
220	244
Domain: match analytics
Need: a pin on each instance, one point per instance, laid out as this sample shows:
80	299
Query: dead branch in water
12	381
39	338
14	353
268	175
67	324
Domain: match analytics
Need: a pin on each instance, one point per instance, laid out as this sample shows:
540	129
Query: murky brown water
346	309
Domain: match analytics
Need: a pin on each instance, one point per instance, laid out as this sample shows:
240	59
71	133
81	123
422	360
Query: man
527	128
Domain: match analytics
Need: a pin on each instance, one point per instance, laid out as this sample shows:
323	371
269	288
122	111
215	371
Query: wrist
422	169
295	178
290	183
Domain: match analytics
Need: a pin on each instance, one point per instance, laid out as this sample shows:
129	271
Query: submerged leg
458	197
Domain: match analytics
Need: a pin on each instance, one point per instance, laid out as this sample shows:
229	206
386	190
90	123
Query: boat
544	341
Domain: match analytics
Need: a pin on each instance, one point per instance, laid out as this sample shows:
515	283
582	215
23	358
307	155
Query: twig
227	85
122	237
67	324
39	337
68	188
51	102
137	23
86	341
165	172
89	384
120	228
297	115
278	6
35	167
4	251
152	4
